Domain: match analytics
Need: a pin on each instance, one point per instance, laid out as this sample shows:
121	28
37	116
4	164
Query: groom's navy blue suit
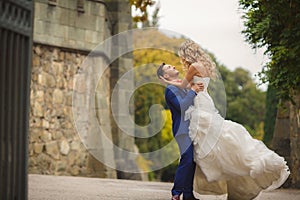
178	101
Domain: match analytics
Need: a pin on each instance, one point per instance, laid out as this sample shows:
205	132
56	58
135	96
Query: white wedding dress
225	151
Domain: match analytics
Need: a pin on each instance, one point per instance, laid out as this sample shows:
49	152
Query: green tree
270	116
276	26
245	102
142	14
141	7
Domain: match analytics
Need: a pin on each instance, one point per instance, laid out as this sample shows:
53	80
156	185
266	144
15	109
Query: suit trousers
184	177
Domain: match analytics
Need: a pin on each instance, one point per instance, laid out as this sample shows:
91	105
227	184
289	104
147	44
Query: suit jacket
179	100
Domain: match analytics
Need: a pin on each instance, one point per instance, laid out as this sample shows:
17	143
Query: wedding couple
227	158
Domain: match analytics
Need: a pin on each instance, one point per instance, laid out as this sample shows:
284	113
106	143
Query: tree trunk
295	141
281	136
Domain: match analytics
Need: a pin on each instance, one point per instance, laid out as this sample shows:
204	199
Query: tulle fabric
229	160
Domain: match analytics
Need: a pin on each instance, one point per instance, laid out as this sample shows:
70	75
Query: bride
224	151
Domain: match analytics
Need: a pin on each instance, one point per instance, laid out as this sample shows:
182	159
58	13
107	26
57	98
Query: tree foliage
142	15
276	26
150	94
270	116
245	103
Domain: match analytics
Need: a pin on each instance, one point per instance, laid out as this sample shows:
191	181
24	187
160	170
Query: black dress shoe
191	198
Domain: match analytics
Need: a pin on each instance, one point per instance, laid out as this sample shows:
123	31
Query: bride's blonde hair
190	52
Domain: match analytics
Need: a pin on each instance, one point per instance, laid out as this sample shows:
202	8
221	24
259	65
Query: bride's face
185	63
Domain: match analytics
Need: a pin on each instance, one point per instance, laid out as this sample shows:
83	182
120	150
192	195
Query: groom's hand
197	87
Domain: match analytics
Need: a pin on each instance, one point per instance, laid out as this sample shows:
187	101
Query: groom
178	100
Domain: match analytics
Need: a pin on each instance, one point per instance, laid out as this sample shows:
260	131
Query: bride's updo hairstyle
190	52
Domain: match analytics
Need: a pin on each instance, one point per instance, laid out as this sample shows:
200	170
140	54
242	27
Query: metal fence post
16	25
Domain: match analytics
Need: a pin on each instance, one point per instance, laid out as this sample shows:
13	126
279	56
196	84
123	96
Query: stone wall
63	37
65	25
121	12
54	145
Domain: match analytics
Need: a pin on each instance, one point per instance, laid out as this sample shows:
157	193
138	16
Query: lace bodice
203	99
204	80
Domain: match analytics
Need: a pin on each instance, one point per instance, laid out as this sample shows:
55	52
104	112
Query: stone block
64	147
38	26
61	56
69	134
52	40
41	1
35	122
34	134
31	149
67	111
46	136
39	10
85	21
68	18
58	30
39	96
75	145
69	99
56	135
37	109
55	54
61	166
38	51
38	147
67	4
100	27
46	80
72	157
44	163
58	96
97	9
32	162
47	13
91	36
52	150
45	124
57	68
77	34
75	170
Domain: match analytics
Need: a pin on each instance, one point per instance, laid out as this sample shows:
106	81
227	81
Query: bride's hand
165	80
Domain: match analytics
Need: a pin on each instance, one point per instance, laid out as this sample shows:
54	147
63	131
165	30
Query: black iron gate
15	65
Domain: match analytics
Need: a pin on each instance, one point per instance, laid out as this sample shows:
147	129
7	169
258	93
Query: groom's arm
178	102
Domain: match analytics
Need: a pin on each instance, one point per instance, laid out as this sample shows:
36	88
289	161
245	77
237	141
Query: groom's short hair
160	71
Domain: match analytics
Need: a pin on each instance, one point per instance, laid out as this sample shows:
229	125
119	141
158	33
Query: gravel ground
43	187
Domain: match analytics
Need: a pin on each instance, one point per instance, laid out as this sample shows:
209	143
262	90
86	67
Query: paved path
43	187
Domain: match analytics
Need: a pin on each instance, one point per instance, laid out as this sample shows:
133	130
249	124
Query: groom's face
170	72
